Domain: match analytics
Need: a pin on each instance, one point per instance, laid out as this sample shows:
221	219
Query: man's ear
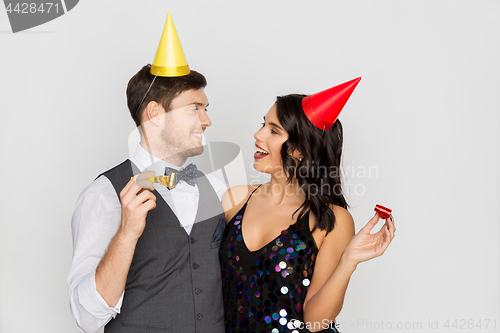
152	112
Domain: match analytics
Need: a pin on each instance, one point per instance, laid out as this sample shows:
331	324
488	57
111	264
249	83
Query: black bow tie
188	174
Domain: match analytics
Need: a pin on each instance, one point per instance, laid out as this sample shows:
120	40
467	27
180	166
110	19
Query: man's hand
136	200
111	273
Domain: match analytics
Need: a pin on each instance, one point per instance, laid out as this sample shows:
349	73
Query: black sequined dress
264	290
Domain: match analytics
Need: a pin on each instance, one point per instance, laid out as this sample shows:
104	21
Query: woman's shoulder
336	240
344	223
235	198
343	227
342	215
237	194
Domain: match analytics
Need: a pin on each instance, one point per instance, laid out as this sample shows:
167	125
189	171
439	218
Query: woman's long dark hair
318	174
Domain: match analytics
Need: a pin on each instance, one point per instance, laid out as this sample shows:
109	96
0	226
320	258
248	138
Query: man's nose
204	119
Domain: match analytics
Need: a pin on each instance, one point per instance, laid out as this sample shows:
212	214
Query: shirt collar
145	161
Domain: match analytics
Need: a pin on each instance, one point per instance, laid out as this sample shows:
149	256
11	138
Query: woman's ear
297	155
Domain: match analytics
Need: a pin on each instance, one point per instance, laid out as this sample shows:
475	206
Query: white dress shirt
96	220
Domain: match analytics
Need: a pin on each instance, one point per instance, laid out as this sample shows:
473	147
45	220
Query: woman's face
269	139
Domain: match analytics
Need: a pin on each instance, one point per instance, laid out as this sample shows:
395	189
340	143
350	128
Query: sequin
283	313
267	319
275	330
284	290
295	323
306	282
283	321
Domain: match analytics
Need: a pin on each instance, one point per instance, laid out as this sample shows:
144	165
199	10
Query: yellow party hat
170	60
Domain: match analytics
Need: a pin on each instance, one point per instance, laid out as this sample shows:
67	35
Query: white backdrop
421	137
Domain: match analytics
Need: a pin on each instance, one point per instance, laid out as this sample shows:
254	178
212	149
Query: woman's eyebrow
274	124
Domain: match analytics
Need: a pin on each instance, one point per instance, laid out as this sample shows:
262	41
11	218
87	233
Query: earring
300	159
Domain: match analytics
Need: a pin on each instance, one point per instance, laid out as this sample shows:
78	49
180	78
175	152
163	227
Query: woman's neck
280	191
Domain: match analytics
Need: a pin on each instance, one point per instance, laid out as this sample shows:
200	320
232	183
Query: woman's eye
274	132
263	124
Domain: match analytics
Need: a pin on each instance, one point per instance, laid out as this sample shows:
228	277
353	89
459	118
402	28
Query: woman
288	250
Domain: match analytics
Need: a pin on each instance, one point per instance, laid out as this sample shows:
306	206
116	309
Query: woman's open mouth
260	153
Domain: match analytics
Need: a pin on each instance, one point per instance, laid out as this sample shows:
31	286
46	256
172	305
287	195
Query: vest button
199	316
193	240
197	291
195	266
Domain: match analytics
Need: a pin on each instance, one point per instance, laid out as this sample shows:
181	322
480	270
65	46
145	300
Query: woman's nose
258	135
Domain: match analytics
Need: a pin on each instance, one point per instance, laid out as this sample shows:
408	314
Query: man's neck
174	159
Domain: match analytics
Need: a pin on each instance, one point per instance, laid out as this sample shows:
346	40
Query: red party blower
383	212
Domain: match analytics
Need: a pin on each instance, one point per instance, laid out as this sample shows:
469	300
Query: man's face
182	128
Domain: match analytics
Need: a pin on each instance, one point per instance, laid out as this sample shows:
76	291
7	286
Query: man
144	254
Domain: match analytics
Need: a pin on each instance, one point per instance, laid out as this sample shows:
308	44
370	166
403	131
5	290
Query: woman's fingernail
390	218
387	227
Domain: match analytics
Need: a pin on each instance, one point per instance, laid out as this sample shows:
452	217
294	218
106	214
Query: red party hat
324	107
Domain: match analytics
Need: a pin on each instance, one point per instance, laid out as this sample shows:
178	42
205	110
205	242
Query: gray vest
174	282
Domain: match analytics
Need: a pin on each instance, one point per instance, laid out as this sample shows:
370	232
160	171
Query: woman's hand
365	245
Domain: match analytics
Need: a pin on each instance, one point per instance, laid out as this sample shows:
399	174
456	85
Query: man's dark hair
163	90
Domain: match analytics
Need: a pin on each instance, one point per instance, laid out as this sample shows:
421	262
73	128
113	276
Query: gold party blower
169	181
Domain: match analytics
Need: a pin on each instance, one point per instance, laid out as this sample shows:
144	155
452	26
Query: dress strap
252	193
